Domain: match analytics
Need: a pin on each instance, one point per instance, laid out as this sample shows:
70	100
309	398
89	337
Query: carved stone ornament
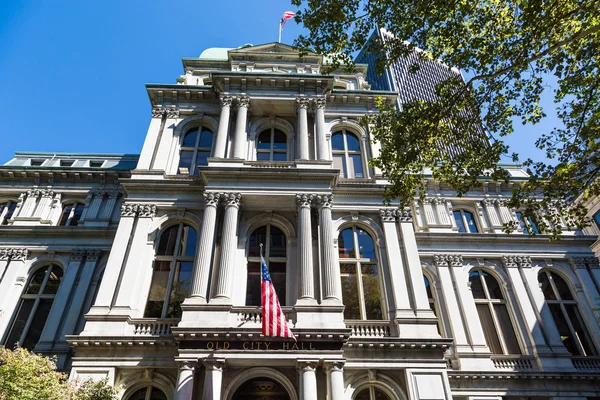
404	215
445	260
387	215
114	194
225	101
170	112
307	366
187	365
304	200
92	254
302	102
231	199
583	262
129	210
325	200
243	101
147	210
516	261
319	102
427	200
77	254
48	193
213	364
334	365
34	193
16	254
211	199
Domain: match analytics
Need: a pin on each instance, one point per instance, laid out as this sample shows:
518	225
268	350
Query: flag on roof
273	320
286	15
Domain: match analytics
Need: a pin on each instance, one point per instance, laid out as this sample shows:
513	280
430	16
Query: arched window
172	276
195	150
7	210
261	388
465	221
148	393
361	287
527	224
275	254
346	154
431	300
493	313
271	145
71	214
34	307
565	312
371	392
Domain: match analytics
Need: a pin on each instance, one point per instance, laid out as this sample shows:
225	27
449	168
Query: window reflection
275	254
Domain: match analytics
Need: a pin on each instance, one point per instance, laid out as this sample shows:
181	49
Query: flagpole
279	41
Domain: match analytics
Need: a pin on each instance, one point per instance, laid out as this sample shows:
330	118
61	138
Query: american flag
273	320
286	15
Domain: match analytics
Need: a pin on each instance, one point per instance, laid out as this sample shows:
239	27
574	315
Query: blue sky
72	73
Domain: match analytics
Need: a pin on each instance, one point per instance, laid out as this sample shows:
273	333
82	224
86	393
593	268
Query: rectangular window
350	291
36	163
67	163
96	164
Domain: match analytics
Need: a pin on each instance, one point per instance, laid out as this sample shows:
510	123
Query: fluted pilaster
223	131
307	287
231	202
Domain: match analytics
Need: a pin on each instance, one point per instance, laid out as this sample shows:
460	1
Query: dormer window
36	163
96	164
67	163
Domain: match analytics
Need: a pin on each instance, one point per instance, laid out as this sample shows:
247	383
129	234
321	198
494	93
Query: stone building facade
145	269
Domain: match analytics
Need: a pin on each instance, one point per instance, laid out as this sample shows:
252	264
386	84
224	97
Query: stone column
306	291
223	132
59	305
308	377
411	252
335	379
206	241
94	205
579	266
185	381
239	140
8	271
322	150
332	290
228	248
109	206
302	103
213	378
157	124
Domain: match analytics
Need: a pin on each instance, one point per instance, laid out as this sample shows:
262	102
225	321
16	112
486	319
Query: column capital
516	261
169	112
304	200
405	215
214	364
77	254
187	365
17	254
307	365
34	193
93	254
225	100
324	200
243	101
319	102
334	365
302	103
231	199
143	210
147	211
211	199
387	214
445	260
48	193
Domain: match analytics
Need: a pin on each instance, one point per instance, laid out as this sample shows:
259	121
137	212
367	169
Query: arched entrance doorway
261	389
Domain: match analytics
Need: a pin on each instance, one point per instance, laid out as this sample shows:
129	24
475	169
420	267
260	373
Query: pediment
273	47
271	51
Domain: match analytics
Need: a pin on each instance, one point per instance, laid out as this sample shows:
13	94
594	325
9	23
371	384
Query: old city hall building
146	269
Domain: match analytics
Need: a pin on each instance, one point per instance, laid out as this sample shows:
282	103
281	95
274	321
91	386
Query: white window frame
71	215
346	153
4	212
193	166
272	151
464	219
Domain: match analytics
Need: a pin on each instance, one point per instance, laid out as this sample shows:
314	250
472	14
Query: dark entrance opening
261	389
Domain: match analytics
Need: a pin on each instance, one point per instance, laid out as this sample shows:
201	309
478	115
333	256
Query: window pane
264	140
19	323
258	236
190	138
371	291
379	395
189	238
470	222
77	214
9	213
337	141
53	280
35	283
459	222
508	333
166	246
428	287
489	330
346	244
279	157
263	156
562	287
353	144
253	289
277	272
339	162
37	324
65	215
157	394
201	159
357	166
279	140
158	289
546	287
563	328
185	162
476	286
580	331
180	288
278	243
492	286
139	395
366	245
206	139
350	291
363	395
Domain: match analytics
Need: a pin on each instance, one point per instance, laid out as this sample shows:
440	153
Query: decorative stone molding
324	200
143	210
187	365
93	254
128	210
34	193
404	215
48	193
302	102
516	261
17	254
169	112
445	260
583	262
308	365
211	199
387	214
304	200
226	101
231	199
243	101
214	364
319	102
335	365
78	254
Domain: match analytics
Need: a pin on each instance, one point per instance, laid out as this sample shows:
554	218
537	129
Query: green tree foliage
28	376
507	49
